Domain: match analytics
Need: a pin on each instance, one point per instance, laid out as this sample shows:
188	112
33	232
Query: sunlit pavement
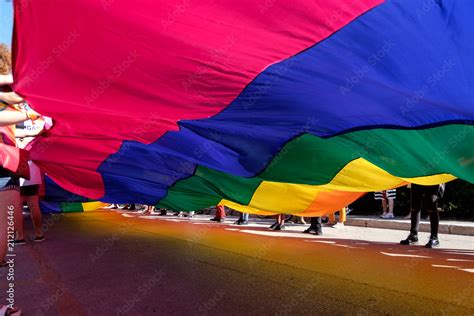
118	263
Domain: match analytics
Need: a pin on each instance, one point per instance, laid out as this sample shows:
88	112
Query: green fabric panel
71	207
206	188
446	149
309	159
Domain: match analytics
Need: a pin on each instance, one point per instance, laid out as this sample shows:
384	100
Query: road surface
119	263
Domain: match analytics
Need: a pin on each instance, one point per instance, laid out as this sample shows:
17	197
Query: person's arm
9	116
11	98
6	80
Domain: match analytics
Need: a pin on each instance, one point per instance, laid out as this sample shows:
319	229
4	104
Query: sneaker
243	223
39	239
313	231
387	216
432	243
273	226
411	239
276	227
338	225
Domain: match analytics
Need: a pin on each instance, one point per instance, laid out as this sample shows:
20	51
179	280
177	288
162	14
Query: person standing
341	220
388	200
243	219
220	214
424	198
29	191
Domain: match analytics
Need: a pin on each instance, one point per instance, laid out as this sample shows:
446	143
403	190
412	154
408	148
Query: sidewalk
445	227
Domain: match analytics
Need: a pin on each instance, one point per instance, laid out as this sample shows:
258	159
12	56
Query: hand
11	97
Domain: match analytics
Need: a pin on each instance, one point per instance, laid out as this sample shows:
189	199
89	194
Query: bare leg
35	211
391	203
384	206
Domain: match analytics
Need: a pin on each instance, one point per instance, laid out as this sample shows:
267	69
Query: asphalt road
115	263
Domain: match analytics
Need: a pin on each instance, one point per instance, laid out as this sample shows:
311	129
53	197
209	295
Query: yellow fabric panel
362	176
349	184
431	180
284	197
92	206
243	208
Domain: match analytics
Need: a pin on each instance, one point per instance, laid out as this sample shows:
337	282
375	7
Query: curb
460	228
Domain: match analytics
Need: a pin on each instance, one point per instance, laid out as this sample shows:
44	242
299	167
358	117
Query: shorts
29	190
9	183
387	194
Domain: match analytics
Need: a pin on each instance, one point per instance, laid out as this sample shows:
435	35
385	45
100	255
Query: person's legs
35	212
416	198
220	214
434	221
316	227
245	217
391	203
384	205
342	215
431	202
332	218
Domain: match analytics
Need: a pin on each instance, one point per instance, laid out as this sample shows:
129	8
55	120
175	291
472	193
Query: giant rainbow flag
278	106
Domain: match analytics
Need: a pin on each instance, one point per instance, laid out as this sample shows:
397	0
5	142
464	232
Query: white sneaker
338	225
387	216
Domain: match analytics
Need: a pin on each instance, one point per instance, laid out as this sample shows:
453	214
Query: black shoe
313	231
273	226
19	242
276	227
215	219
411	239
237	222
39	239
243	223
132	208
432	243
162	213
